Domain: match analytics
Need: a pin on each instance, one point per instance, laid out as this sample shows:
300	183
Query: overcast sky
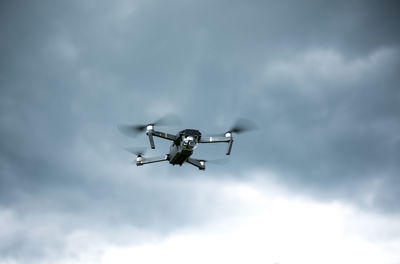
318	182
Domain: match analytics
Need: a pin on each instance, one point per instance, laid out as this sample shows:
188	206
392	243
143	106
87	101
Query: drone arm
163	135
152	133
142	161
228	140
198	163
214	139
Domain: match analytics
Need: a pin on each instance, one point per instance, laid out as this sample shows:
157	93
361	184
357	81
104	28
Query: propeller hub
228	134
150	127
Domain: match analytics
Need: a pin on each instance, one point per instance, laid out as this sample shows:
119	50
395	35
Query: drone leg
150	134
143	161
198	163
229	147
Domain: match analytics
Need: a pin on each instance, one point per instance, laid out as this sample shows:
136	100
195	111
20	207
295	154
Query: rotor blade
138	151
131	130
134	130
243	125
169	119
217	161
240	126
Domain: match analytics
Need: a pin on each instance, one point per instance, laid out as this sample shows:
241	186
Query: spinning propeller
137	151
134	130
242	125
216	161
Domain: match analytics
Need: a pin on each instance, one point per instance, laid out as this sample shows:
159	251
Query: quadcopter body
183	144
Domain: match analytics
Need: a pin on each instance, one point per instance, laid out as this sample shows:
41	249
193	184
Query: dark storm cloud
71	71
334	131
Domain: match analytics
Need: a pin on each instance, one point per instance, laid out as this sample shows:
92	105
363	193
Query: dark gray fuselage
182	148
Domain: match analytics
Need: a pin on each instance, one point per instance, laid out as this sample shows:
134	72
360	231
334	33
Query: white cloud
254	221
271	225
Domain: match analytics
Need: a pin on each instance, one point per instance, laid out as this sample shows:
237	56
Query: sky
317	182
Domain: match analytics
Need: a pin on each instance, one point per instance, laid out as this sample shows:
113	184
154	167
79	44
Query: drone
183	143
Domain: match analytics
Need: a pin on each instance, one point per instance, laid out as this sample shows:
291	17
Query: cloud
314	68
255	220
321	80
329	120
274	228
